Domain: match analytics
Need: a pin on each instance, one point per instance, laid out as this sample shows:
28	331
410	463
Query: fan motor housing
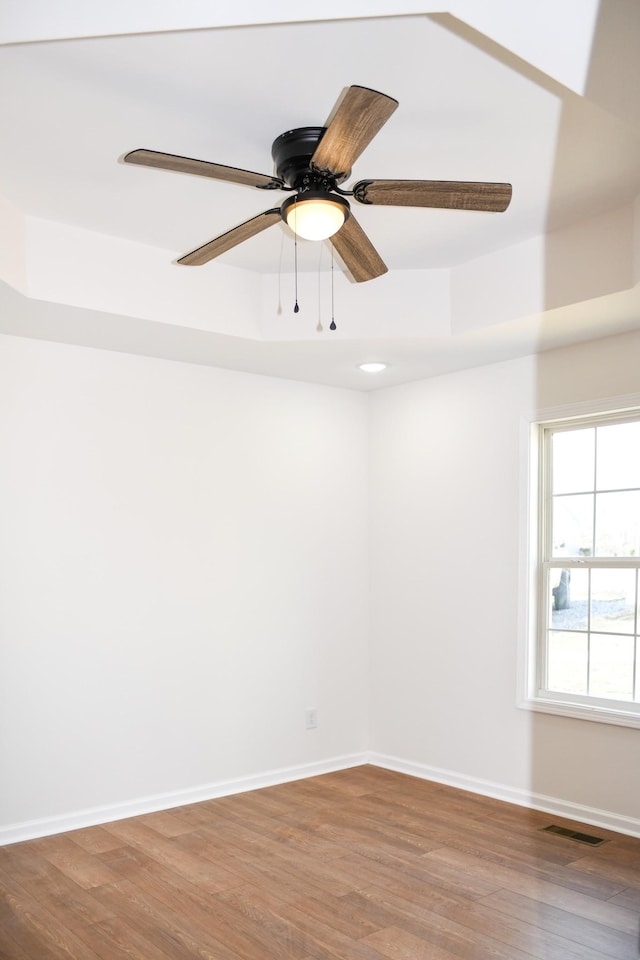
292	152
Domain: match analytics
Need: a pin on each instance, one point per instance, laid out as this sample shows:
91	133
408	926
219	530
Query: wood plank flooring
363	864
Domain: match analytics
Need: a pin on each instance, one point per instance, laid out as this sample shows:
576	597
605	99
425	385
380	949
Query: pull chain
319	327
332	325
295	255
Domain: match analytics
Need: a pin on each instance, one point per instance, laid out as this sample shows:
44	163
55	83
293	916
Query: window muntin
588	623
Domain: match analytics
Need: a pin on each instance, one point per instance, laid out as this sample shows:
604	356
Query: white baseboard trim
30	830
525	798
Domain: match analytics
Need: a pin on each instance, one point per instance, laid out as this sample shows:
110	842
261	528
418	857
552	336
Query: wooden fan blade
201	168
492	197
360	256
354	122
231	238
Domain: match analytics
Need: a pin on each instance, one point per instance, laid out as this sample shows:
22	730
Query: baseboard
30	830
524	798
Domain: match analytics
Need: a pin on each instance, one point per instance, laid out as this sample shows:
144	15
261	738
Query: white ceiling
470	108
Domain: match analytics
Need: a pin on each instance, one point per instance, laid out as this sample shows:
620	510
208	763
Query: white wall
184	564
445	507
183	570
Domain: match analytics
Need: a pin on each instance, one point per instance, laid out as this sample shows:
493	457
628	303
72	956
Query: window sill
580	711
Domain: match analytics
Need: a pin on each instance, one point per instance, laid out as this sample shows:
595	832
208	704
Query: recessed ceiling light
372	367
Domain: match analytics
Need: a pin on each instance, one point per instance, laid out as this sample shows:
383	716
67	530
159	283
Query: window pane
573	461
569	593
573	526
618	456
589	575
611	667
567	662
613	600
618	524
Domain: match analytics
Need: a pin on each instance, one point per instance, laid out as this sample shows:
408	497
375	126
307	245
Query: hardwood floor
363	864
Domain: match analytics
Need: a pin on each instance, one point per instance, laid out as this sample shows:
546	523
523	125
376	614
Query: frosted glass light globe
316	219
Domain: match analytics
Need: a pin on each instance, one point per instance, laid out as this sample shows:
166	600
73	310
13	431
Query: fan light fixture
312	161
315	215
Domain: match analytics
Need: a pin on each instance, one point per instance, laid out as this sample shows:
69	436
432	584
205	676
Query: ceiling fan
311	163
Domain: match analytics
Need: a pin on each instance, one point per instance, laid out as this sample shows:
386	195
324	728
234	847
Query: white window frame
531	600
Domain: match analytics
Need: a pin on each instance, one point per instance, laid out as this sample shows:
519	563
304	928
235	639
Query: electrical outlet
311	719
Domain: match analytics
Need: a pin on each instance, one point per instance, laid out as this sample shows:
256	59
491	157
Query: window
584	651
